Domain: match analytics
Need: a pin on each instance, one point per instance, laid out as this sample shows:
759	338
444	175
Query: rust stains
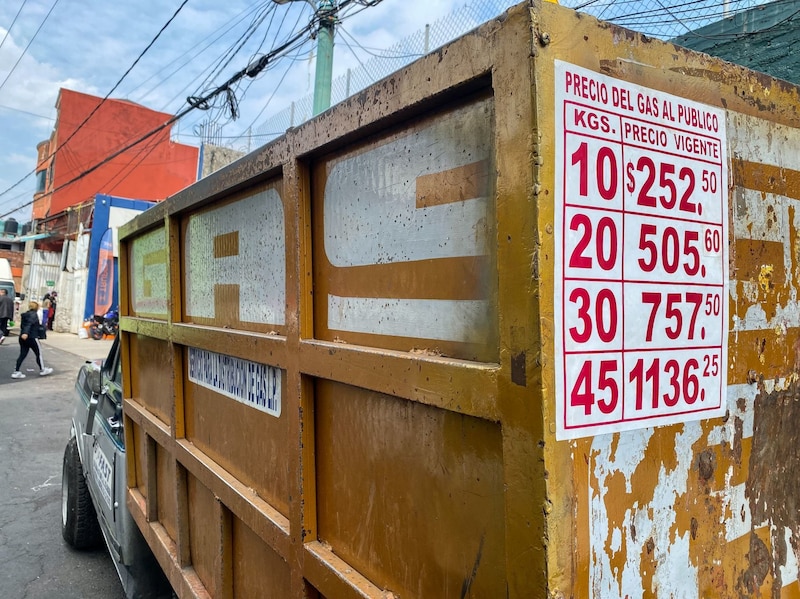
763	350
699	511
766	178
771	486
753	577
706	465
794	248
648	566
760	262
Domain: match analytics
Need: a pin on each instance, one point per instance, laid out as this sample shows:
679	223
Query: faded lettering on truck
149	274
405	260
236	262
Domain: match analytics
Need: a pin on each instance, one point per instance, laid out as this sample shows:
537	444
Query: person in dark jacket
30	330
6	313
52	316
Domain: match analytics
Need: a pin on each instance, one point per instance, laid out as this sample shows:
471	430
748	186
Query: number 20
605	242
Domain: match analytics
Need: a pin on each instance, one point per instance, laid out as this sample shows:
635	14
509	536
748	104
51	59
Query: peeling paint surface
710	508
647	528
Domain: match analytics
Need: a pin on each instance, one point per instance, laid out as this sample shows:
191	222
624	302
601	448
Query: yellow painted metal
406	461
689	509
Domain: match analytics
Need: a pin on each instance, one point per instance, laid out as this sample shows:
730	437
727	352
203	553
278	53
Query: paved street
34	426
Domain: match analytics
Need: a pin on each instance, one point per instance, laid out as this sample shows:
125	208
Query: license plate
103	473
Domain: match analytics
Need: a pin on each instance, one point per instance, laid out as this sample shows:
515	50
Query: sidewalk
89	349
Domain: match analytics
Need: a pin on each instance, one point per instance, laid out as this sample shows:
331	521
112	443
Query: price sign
641	265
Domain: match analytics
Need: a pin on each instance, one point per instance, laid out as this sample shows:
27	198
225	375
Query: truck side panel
341	351
692	509
329	329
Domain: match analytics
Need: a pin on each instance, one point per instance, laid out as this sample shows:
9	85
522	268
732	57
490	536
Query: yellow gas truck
518	321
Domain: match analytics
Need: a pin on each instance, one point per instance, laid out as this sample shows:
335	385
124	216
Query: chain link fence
657	18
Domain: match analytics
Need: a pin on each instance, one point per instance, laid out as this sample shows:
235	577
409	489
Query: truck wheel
79	525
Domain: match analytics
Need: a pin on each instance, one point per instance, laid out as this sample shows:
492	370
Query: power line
10	27
30	41
251	70
41	116
226	28
96	108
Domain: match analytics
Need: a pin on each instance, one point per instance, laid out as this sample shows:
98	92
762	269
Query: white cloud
87	46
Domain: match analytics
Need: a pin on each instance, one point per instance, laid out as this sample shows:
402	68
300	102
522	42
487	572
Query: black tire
95	332
79	525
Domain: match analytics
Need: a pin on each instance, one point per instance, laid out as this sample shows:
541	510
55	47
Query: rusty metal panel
204	534
257	570
695	507
377	326
135	440
150	370
410	495
250	441
165	481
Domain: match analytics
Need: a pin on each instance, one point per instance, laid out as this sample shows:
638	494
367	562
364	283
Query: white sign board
251	383
641	259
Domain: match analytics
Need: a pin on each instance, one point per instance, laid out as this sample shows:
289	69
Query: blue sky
87	45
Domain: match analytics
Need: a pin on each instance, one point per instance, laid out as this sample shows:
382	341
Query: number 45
583	395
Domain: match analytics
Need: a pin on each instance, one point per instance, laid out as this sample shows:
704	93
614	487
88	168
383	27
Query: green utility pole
324	66
326	14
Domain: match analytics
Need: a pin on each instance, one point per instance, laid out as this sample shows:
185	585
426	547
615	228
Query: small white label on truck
641	256
103	473
251	383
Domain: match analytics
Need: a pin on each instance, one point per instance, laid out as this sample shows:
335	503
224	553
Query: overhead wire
229	102
745	34
692	6
314	22
225	59
301	43
225	29
349	47
30	41
118	178
217	114
269	100
251	70
38	116
14	20
653	20
243	39
96	108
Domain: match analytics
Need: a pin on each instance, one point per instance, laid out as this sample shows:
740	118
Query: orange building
152	170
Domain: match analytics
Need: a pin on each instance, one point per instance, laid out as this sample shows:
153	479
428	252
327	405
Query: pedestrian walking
46	301
6	313
52	316
30	331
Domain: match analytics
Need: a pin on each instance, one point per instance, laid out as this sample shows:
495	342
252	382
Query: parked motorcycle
107	324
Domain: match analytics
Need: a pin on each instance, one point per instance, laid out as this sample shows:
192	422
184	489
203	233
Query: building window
41	181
